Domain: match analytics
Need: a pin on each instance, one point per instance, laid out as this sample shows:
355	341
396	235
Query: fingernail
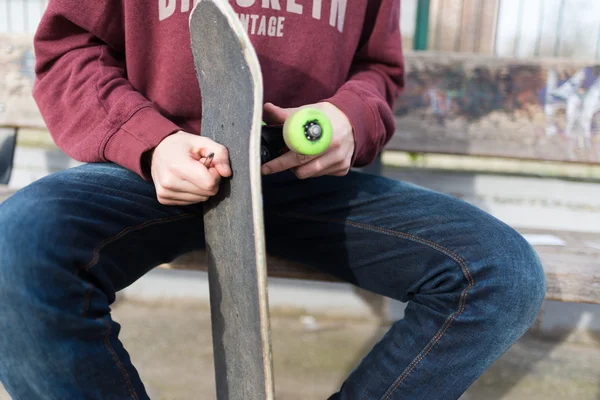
265	170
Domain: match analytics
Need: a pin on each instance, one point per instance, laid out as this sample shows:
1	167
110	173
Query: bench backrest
537	109
454	103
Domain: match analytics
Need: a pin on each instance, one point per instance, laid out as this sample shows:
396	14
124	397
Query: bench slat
277	267
572	271
5	192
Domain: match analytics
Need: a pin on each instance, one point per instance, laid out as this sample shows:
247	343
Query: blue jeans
69	241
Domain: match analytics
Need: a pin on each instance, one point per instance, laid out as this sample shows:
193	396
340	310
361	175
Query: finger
274	115
166	196
220	159
205	181
284	162
178	203
334	171
319	166
340	169
215	175
181	185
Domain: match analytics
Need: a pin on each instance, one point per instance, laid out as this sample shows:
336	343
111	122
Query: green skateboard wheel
307	131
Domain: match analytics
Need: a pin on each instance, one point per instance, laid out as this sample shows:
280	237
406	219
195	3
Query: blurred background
501	109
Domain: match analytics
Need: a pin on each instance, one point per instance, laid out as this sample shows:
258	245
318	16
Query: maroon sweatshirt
115	77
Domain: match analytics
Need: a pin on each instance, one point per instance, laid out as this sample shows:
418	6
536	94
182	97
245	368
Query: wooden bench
455	104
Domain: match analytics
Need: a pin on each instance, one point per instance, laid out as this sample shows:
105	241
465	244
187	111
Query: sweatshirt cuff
361	118
142	132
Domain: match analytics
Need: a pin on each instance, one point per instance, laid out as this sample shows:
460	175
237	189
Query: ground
170	344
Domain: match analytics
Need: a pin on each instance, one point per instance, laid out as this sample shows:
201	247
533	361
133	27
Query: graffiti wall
537	109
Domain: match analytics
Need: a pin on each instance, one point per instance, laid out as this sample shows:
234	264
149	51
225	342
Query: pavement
170	343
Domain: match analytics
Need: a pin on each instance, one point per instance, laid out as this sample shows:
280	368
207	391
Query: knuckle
336	142
301	174
162	200
303	158
319	166
176	170
167	183
211	187
348	161
160	192
222	150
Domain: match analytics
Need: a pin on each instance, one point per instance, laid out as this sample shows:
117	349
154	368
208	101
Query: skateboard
230	80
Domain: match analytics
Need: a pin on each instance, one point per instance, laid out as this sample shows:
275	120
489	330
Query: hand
178	171
336	160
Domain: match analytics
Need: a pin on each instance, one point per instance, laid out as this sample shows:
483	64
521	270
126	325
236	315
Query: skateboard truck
307	132
272	144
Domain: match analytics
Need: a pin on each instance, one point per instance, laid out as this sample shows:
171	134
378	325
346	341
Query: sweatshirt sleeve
375	80
81	88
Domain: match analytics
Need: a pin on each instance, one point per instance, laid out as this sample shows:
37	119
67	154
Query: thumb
220	156
274	115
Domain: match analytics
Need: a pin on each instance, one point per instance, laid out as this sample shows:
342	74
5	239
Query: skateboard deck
230	81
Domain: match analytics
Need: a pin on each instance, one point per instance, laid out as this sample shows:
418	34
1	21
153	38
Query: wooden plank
463	25
448	21
17	107
470	25
277	267
572	270
435	18
5	192
546	109
488	17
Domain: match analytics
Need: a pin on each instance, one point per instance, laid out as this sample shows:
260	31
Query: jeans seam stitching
112	239
87	296
463	297
86	299
130	388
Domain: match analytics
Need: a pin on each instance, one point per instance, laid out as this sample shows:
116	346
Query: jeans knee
513	281
17	257
15	294
26	252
